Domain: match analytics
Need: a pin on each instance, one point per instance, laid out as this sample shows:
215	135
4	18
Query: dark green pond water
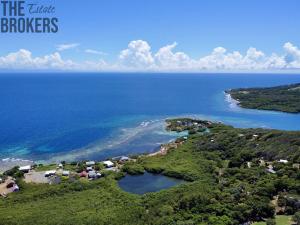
148	182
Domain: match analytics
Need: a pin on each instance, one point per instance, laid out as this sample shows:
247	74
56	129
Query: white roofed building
108	164
283	161
25	169
50	173
66	173
90	163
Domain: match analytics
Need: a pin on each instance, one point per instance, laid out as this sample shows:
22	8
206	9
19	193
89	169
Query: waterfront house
108	164
92	174
124	159
90	163
89	168
83	174
117	158
25	169
66	173
50	173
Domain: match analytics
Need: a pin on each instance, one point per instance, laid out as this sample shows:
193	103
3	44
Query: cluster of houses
182	125
90	171
90	168
270	167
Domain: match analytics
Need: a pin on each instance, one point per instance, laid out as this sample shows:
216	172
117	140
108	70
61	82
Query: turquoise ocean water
53	117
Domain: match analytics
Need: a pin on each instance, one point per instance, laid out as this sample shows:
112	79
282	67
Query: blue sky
196	26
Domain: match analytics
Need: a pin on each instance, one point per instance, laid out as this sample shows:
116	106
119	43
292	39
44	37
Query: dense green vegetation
222	189
282	98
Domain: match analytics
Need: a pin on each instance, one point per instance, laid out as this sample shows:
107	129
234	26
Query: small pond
147	182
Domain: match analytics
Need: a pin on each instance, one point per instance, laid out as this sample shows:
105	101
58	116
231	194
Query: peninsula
233	176
284	98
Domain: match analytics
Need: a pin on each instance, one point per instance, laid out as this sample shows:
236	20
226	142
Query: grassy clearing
280	220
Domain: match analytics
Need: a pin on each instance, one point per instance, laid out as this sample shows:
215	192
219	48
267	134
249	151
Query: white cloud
166	59
23	59
63	47
292	56
139	57
94	52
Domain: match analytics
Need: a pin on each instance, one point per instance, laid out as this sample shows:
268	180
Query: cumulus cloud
166	59
138	56
23	59
292	55
63	47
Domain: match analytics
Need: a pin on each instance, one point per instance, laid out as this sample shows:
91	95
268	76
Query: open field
280	220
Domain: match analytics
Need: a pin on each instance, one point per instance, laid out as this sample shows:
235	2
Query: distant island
284	98
233	176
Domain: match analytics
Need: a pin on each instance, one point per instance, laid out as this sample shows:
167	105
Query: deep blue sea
53	117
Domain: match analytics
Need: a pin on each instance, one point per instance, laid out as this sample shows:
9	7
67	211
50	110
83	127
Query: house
66	173
269	170
124	158
89	168
50	173
83	174
283	161
249	164
120	158
262	162
15	188
60	165
92	174
117	158
108	164
296	166
90	163
25	169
